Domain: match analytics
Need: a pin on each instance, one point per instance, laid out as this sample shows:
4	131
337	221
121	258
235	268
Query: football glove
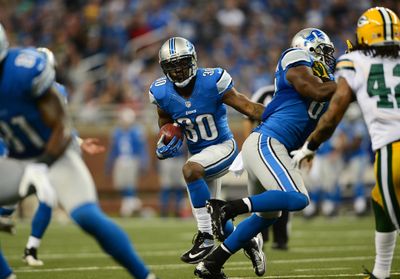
301	154
170	150
349	46
319	69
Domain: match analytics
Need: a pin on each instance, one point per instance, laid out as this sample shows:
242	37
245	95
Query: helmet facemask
325	54
180	70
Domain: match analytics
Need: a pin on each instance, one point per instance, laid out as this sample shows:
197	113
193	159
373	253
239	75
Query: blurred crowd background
107	50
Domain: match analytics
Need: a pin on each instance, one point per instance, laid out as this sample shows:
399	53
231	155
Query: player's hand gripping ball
170	141
169	131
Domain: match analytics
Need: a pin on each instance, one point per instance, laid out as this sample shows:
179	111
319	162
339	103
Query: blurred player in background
369	74
42	216
19	179
324	188
274	184
356	157
172	184
195	98
127	160
281	226
35	127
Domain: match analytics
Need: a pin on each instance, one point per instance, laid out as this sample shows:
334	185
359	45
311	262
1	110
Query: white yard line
169	252
91	268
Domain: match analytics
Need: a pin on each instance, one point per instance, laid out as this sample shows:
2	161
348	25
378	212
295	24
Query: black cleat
370	275
203	244
209	270
30	257
254	251
215	208
7	225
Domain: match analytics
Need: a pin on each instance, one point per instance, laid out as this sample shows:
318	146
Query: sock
199	193
246	230
111	238
384	248
33	242
237	207
229	228
272	200
41	220
220	255
203	219
128	191
5	269
7	211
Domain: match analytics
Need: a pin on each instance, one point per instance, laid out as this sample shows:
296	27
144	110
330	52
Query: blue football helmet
3	43
178	59
317	44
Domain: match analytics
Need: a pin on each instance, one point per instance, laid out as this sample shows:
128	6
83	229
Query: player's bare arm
241	103
309	85
163	118
53	112
338	105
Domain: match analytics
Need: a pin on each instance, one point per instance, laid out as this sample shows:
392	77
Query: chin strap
185	82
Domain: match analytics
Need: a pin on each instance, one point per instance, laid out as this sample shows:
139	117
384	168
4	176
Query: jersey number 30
203	127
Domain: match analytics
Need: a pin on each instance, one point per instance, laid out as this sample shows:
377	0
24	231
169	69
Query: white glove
301	154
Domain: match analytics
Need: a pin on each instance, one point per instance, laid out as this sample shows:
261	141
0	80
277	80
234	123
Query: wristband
47	159
312	145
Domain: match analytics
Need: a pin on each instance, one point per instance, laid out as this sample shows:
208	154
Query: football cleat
254	251
207	269
215	208
203	244
370	275
7	225
11	276
30	257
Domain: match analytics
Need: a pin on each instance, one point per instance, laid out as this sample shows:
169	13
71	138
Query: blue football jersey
290	117
203	116
3	149
24	76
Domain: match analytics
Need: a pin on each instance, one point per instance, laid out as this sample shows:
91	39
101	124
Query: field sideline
320	248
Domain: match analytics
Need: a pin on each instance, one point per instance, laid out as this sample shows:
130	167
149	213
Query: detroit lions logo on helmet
314	35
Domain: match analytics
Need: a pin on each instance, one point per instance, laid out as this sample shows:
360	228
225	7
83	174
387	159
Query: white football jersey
376	83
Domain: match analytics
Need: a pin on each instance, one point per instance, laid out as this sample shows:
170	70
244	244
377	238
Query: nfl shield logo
188	104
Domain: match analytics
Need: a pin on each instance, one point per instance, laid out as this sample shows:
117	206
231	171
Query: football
170	130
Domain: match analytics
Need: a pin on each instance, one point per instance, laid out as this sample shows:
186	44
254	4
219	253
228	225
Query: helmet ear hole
311	49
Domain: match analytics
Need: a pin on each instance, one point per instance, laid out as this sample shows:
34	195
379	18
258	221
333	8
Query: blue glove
170	150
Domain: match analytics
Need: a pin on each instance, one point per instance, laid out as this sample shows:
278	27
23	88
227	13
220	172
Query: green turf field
320	248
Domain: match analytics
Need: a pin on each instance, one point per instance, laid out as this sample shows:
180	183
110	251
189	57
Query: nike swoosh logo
195	255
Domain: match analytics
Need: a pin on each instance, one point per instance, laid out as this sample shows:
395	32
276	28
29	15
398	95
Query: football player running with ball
195	98
369	73
274	185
